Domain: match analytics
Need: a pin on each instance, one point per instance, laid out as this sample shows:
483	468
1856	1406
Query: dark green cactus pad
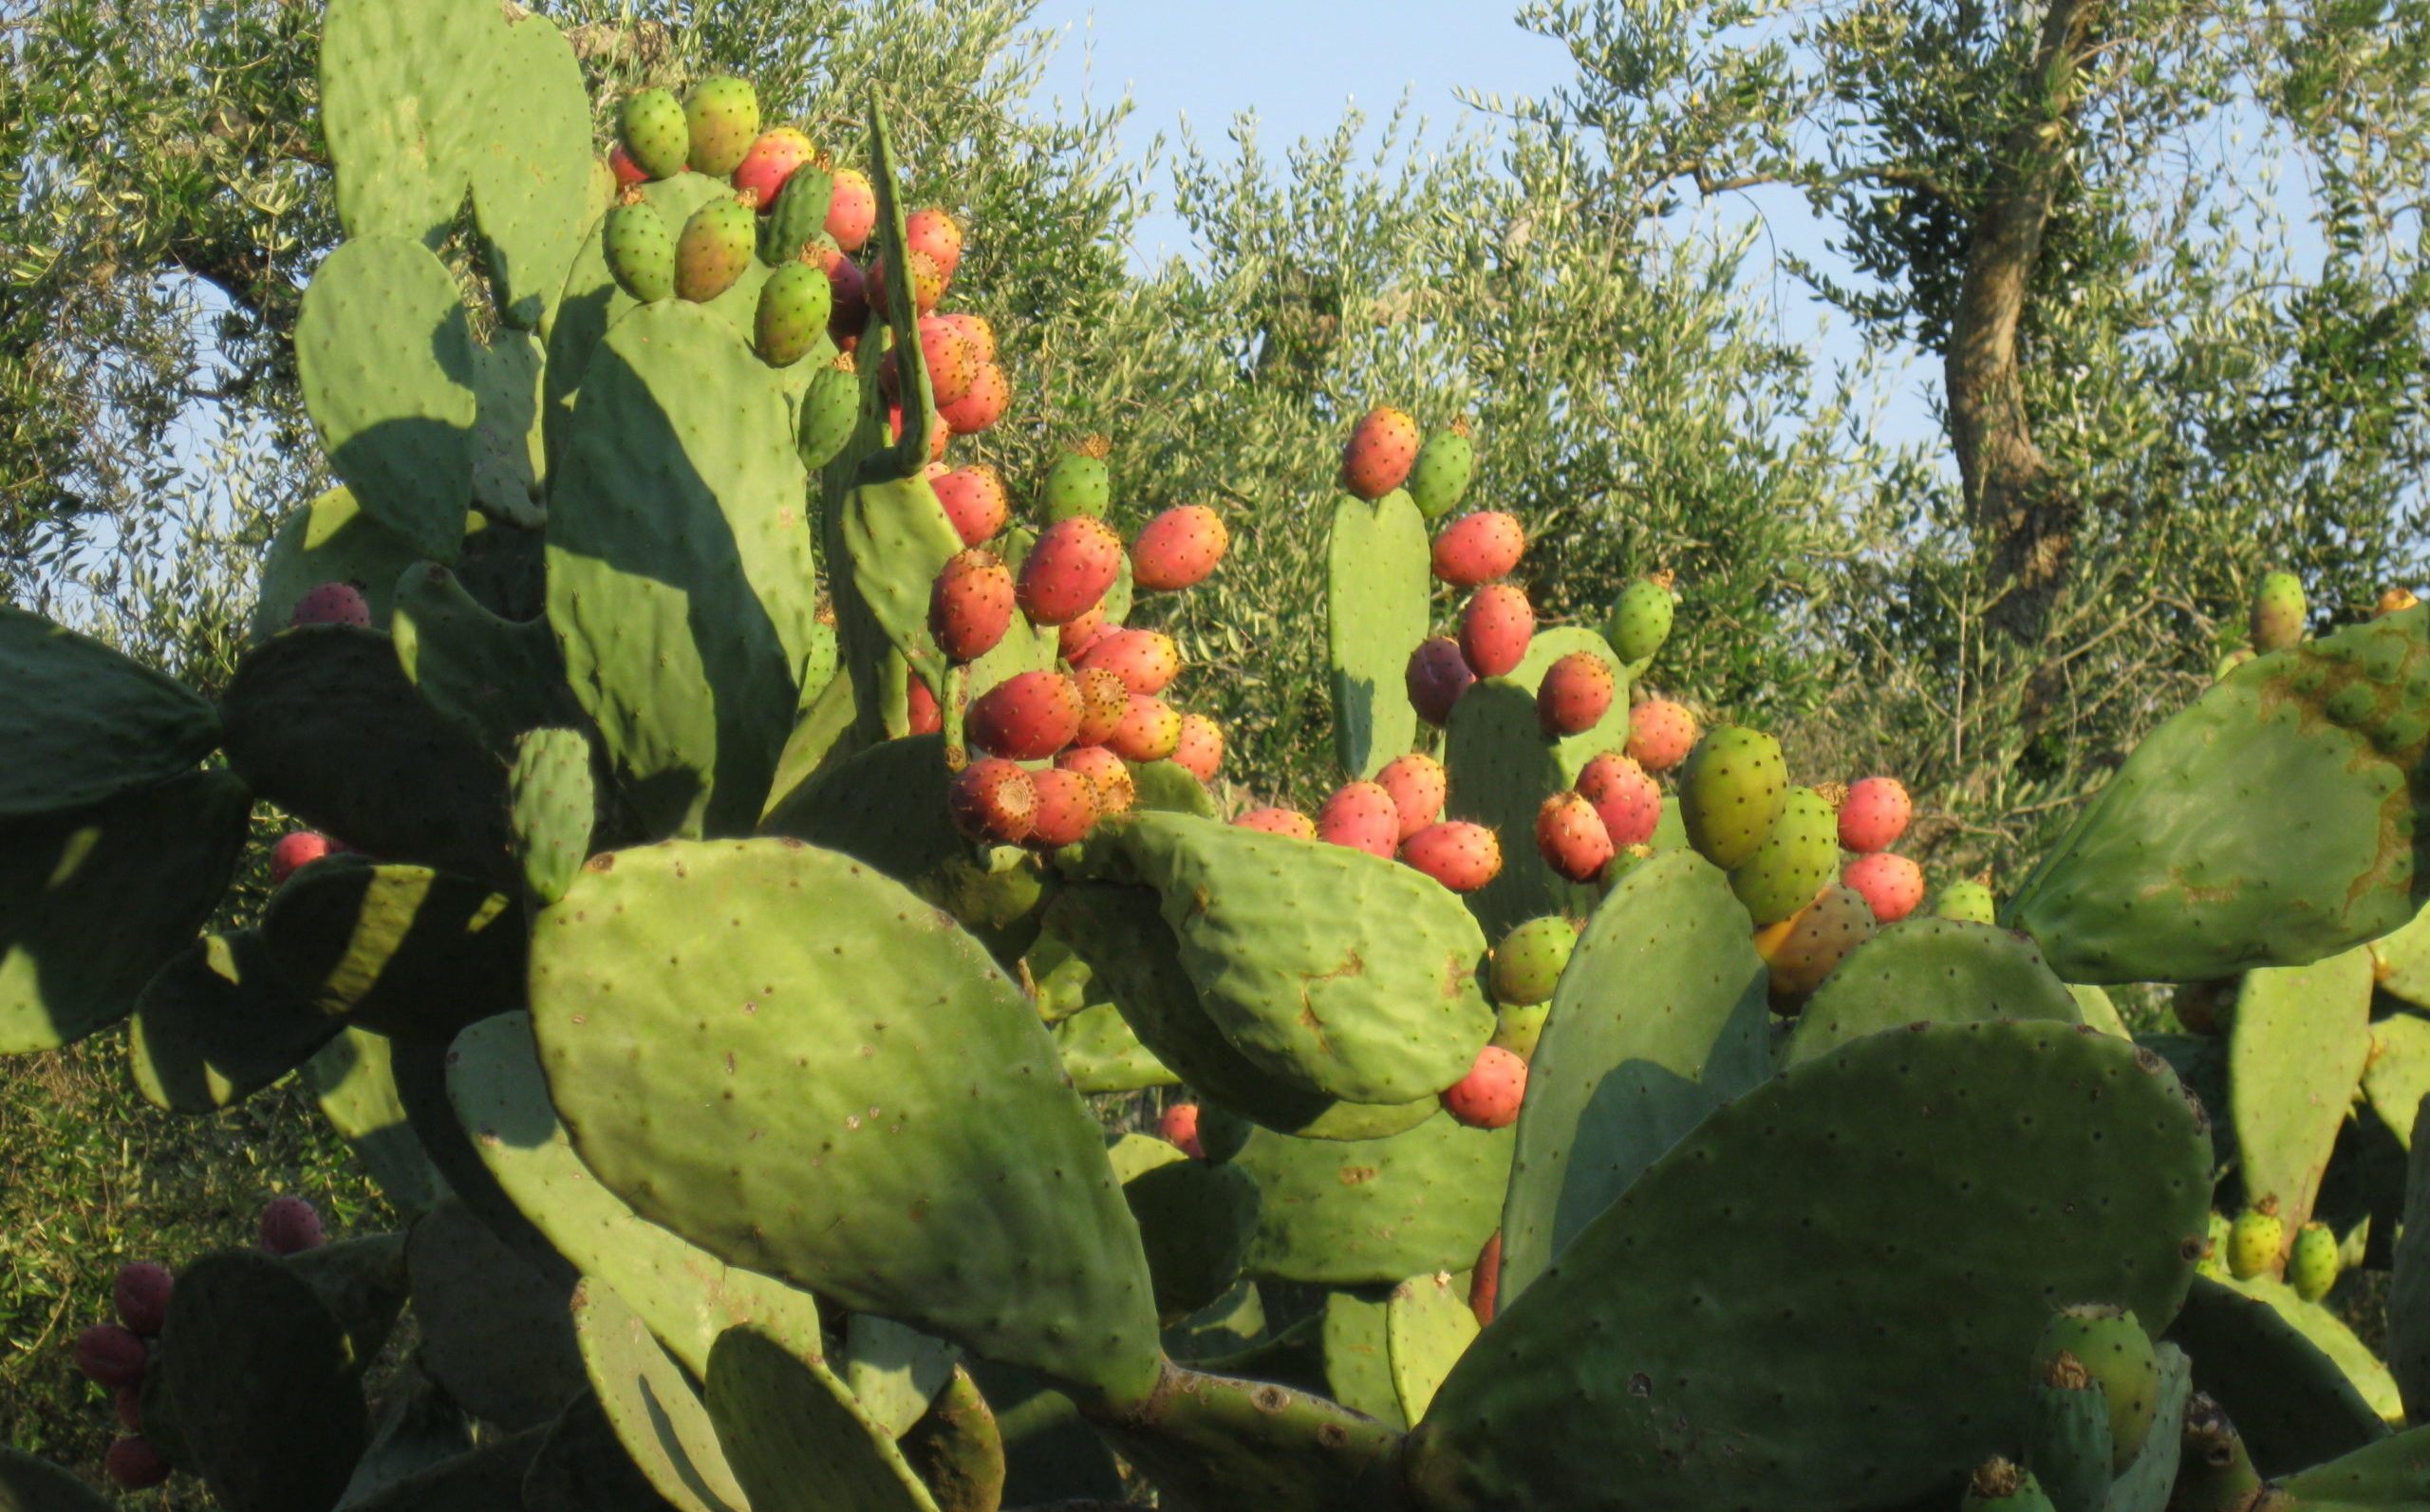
323	723
1376	587
490	1476
555	809
30	1484
2300	1039
507	459
1755	1280
1101	1053
1659	1020
972	1203
798	1440
1926	970
2289	1398
582	1467
421	1428
488	677
403	951
1210	1441
658	1418
264	1384
82	722
1428	1325
364	1282
403	101
2067	1445
94	900
918	400
217	1024
892	1370
329	540
1195	1220
680	582
2144	1486
1370	1212
494	1332
1358	1354
2165	878
1502	771
1331	969
384	356
2408	1346
2388	1476
958	1450
531	169
421	1073
352	1080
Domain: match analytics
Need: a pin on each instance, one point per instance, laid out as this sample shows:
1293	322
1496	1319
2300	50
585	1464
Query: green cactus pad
96	899
1659	1020
2094	1007
972	1203
531	171
329	540
1929	970
1370	1212
403	951
490	1476
1101	1053
489	678
494	1332
2144	1486
1051	1454
1207	1441
658	1417
508	458
30	1484
894	1372
2397	1074
798	1440
82	722
2293	1402
918	400
423	1429
1376	587
1502	771
2390	1476
2067	1445
217	1024
582	1467
1358	1354
1799	854
555	809
402	99
1731	1287
897	538
2300	1039
1195	1221
2408	1346
353	1082
1428	1325
2401	961
958	1450
2159	880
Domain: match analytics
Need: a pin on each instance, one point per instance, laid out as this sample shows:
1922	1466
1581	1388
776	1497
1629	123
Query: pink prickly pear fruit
975	500
1105	699
1116	792
1418	785
723	115
1068	571
982	405
1485	1280
928	282
1147	661
1627	800
290	1225
1661	734
1027	717
1495	628
332	603
1575	694
110	1355
1360	815
1437	675
296	850
1200	752
923	716
716	246
1067	808
852	210
1178	549
140	1294
1571	838
628	173
133	1464
1382	447
771	161
1460	855
1476	548
1179	1128
993	799
1489	1096
1874	814
937	233
971	605
952	367
848	298
1289	822
977	331
1150	731
1890	884
128	1403
1074	638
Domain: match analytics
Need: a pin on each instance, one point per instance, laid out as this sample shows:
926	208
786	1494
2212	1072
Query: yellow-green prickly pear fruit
1971	901
1732	789
1795	860
1641	618
723	114
2278	612
717	245
1439	478
2255	1240
1528	962
2214	1263
2311	1270
655	135
2117	1355
1998	1486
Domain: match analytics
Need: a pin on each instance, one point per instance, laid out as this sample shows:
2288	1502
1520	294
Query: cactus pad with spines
1501	768
1936	970
1195	1218
329	540
489	677
1102	1054
531	171
494	1332
555	809
401	87
1427	1325
2292	1401
1375	614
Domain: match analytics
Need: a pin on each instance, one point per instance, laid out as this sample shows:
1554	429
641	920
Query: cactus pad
1370	1212
329	540
2294	1403
1502	770
1102	1054
353	1080
797	1438
658	1418
1929	970
403	951
494	1332
217	1024
401	86
489	677
531	185
2300	1039
1428	1325
555	809
81	722
1375	614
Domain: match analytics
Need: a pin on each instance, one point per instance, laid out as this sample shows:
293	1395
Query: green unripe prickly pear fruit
655	135
1516	1029
1971	901
1080	482
2214	1263
2278	612
2311	1270
717	245
722	116
792	317
1528	962
1731	789
640	249
1799	854
2118	1356
1641	618
1998	1486
2230	661
1439	478
828	411
2255	1239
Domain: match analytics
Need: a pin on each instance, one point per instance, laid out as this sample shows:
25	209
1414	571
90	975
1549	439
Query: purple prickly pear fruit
1376	459
110	1355
1437	675
1485	1280
1418	785
1067	808
971	605
1476	548
1069	571
141	1294
848	293
771	161
928	282
652	131
717	245
1571	838
1803	948
1575	694
975	500
1105	699
332	603
1178	549
991	391
290	1225
1495	628
937	233
1116	790
1489	1096
721	117
993	799
294	851
1626	799
1460	855
1200	752
795	304
128	1403
1147	661
975	329
1874	814
1360	815
1179	1128
1528	962
852	211
922	716
1027	717
1150	731
639	248
133	1464
1661	734
1892	885
1732	790
1287	822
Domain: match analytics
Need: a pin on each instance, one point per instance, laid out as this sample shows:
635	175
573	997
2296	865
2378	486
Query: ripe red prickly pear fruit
1200	752
715	247
952	367
723	118
1178	549
1661	734
1418	785
1074	638
1027	717
794	305
1147	661
1460	855
1116	790
923	717
1150	731
937	433
1377	457
927	283
110	1355
1627	800
1068	571
971	605
982	405
1288	822
1437	675
1485	1280
771	160
975	329
1067	808
993	799
332	603
140	1294
1575	694
1360	815
133	1464
1571	838
1489	1096
1874	814
1179	1128
937	233
1476	548
626	171
296	850
128	1404
975	500
1495	628
290	1225
1892	885
1104	700
654	134
852	211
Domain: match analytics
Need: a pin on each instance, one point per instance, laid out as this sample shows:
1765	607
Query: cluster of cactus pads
736	852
